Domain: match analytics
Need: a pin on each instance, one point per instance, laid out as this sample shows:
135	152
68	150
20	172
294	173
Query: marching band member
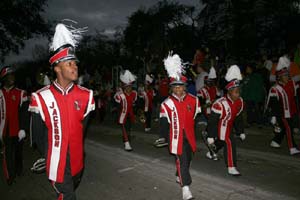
177	116
207	95
147	95
282	101
13	109
59	115
126	97
225	114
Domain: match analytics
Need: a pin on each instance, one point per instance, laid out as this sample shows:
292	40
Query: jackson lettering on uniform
56	127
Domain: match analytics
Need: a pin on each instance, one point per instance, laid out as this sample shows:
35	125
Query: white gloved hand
207	101
273	120
242	136
21	135
210	140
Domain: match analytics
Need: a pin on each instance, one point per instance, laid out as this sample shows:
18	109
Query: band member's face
148	87
284	79
210	83
67	70
127	89
234	93
178	90
9	80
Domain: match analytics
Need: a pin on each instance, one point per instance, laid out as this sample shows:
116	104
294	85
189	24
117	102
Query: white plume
127	77
173	65
212	73
283	62
233	72
66	35
149	78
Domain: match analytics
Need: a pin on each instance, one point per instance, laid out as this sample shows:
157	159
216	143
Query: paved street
148	172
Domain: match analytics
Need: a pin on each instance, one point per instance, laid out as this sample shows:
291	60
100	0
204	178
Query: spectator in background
100	102
272	77
294	70
199	83
297	55
267	63
163	88
253	94
199	57
163	82
263	70
191	76
191	87
86	78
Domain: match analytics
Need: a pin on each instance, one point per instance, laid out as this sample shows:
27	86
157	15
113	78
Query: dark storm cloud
99	14
96	14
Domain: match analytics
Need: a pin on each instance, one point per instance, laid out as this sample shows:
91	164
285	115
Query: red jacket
126	102
209	95
148	99
10	103
228	111
181	114
63	112
283	97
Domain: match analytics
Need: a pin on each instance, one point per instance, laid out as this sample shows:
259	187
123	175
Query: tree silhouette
244	27
152	32
20	20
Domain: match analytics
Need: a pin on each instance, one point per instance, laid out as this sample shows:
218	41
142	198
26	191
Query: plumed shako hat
64	42
233	77
173	65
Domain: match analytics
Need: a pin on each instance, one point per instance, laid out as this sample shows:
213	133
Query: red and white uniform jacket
148	96
207	96
224	113
62	112
11	101
282	101
126	102
180	114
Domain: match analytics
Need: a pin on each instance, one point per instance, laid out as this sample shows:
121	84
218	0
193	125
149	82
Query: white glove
242	136
21	135
210	140
273	120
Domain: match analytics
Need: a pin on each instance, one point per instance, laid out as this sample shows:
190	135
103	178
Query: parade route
149	173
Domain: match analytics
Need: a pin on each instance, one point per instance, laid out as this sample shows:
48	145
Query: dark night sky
96	14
